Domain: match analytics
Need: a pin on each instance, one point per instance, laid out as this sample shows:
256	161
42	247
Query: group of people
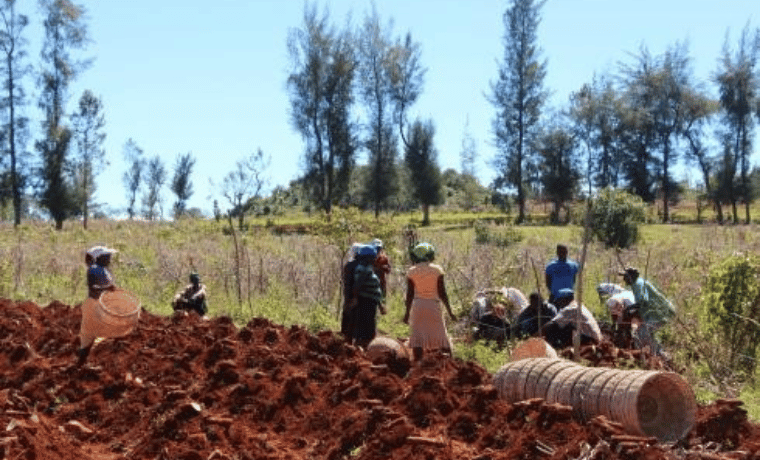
100	279
365	290
557	319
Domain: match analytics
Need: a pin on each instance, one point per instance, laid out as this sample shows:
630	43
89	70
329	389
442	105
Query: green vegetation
292	275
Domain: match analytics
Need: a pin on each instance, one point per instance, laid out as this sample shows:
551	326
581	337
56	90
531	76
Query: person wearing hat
99	280
366	297
650	305
348	314
99	277
559	330
425	292
193	297
382	265
560	273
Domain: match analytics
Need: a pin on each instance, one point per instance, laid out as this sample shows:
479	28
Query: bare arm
409	299
444	296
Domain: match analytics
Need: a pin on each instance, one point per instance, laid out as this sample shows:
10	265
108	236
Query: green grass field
294	278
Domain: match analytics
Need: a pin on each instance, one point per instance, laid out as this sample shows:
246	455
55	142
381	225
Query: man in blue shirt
560	273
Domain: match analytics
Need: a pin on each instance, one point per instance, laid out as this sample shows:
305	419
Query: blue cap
367	251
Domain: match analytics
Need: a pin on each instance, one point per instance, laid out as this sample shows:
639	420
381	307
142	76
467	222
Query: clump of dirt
180	387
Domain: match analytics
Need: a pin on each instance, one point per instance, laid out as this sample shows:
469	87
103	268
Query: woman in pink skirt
425	291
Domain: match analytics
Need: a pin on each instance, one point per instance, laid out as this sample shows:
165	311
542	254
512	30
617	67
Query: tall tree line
334	68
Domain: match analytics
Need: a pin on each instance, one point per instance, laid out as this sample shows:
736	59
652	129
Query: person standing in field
99	280
650	306
382	265
348	314
366	297
425	292
560	273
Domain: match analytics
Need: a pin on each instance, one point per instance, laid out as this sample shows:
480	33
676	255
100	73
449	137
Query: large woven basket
647	403
114	314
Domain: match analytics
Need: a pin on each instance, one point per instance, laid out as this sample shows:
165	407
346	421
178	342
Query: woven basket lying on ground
384	345
647	403
114	314
534	347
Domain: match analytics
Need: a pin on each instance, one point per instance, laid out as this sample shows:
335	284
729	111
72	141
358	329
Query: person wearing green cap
425	292
193	297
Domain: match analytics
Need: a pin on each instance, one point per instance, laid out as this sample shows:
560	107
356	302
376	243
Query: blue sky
181	76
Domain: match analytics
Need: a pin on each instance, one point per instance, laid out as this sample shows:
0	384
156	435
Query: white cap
377	242
97	251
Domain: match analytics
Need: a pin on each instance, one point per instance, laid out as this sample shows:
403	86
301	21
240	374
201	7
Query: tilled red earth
183	388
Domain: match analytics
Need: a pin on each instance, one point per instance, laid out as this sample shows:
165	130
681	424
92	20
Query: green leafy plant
731	305
615	218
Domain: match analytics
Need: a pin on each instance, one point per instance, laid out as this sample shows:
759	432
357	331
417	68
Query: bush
497	235
731	306
615	217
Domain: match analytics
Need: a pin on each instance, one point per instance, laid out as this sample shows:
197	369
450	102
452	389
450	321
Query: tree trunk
425	215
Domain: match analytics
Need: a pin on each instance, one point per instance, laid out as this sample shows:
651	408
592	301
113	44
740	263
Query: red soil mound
183	388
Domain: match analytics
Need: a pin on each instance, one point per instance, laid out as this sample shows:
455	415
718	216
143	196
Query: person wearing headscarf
193	297
99	280
99	277
382	265
366	297
348	314
425	292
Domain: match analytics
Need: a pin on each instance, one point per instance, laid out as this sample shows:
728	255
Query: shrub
731	305
497	235
615	216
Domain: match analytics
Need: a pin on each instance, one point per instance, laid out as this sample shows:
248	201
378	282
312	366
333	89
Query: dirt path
182	388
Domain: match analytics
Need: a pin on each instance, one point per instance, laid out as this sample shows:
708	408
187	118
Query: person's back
654	307
560	273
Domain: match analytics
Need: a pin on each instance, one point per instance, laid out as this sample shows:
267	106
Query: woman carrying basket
99	280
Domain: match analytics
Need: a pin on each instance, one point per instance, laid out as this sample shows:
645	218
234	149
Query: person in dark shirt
348	314
537	311
193	297
366	297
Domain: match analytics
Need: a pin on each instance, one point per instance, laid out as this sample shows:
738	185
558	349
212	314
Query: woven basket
114	314
647	403
380	346
535	347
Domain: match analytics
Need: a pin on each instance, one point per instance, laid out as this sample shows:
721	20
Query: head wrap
424	252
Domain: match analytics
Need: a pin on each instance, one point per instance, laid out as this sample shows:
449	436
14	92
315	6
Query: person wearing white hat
99	280
99	277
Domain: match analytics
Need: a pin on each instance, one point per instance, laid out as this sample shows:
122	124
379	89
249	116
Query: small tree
181	184
421	159
133	176
615	215
244	183
154	182
89	122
